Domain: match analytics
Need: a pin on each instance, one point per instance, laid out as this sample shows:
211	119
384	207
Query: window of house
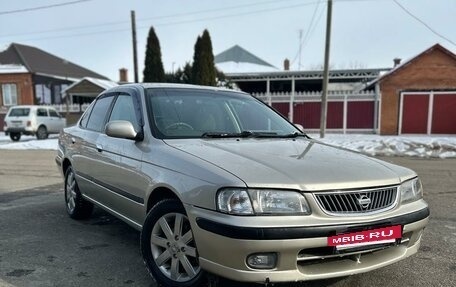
9	92
43	94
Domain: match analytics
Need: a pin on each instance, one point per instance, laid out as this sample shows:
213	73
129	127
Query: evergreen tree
203	70
153	65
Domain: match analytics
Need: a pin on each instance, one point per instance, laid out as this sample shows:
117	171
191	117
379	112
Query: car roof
176	86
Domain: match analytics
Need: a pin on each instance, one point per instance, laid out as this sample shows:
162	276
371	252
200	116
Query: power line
301	41
141	19
42	7
180	22
424	23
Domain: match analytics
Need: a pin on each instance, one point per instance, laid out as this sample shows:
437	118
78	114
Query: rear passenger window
124	110
85	117
54	114
98	115
41	112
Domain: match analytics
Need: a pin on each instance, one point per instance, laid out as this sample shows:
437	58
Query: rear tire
15	137
168	247
42	133
76	206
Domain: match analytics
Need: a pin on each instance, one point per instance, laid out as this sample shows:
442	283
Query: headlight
235	201
411	190
261	202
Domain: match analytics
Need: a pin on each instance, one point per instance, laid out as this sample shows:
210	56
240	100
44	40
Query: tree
153	65
203	69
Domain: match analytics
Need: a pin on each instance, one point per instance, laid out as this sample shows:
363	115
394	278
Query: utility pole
324	95
135	53
300	49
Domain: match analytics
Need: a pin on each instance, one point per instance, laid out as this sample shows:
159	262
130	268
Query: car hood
292	163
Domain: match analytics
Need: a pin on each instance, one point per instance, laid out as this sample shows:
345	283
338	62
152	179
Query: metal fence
348	111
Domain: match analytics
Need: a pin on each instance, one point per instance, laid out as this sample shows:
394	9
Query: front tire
76	206
15	137
42	133
168	247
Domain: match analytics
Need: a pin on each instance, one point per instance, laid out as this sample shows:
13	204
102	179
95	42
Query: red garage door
415	118
414	113
444	114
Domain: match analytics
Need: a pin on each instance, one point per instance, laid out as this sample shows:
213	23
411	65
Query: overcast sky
96	33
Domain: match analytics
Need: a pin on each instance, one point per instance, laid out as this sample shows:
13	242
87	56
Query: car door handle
99	147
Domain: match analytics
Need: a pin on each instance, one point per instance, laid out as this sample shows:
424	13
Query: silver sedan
219	182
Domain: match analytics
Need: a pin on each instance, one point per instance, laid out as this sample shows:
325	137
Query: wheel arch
65	165
159	194
42	125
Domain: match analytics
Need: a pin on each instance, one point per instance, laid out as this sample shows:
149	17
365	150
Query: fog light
262	260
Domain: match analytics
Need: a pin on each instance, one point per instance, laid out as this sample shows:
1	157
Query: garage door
444	114
428	113
415	109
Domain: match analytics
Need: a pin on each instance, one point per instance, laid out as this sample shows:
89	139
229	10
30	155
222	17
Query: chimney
397	62
286	65
123	75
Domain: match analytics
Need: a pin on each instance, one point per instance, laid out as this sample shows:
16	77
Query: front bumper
302	251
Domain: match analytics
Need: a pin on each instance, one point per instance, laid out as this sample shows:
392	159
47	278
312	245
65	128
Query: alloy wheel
173	247
70	192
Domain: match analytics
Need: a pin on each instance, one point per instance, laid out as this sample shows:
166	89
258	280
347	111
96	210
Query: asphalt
41	246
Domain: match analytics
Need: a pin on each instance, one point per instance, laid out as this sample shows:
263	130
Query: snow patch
412	146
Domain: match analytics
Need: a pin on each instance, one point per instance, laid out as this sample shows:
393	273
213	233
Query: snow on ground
28	142
413	146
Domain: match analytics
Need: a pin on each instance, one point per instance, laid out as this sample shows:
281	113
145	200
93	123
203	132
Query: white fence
299	97
73	108
348	111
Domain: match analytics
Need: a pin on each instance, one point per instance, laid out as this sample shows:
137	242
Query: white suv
33	120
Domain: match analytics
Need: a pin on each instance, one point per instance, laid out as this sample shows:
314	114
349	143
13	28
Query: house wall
24	88
434	70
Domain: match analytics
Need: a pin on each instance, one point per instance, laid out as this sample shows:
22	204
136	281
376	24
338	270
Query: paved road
41	246
26	169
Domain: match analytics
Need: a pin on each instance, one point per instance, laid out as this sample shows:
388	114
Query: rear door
42	118
87	156
56	121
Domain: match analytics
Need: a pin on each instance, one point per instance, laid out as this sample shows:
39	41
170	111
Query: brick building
29	75
419	96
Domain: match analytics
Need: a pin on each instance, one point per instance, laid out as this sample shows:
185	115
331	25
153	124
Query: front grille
357	201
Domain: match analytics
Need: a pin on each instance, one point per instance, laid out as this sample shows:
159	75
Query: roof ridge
238	54
24	62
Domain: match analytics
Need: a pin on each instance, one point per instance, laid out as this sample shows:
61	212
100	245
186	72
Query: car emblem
364	201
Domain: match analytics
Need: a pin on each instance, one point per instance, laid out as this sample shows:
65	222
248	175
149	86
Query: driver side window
124	110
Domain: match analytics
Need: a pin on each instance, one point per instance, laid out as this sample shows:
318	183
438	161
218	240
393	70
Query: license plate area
376	238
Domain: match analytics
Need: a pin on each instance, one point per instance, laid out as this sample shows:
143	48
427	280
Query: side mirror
300	127
121	129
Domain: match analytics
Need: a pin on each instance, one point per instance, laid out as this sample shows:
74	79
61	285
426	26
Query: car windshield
19	112
193	113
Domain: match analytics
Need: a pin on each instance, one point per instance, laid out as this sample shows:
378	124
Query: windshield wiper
243	134
250	134
295	135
